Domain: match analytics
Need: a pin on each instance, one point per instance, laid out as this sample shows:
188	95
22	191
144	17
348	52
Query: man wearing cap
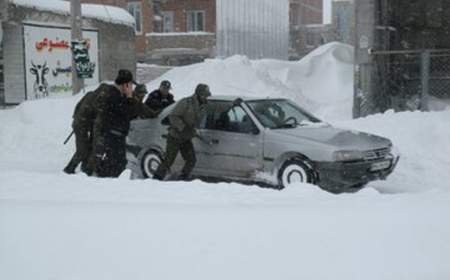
111	126
137	109
183	122
160	98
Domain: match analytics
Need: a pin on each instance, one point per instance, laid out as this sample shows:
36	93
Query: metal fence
407	80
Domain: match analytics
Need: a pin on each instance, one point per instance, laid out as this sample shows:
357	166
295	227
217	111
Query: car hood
338	138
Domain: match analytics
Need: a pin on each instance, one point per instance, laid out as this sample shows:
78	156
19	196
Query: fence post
425	76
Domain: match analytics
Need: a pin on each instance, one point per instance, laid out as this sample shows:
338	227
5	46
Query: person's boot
184	177
69	169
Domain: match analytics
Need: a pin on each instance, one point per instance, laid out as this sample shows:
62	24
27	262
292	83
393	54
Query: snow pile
76	227
31	139
322	82
423	142
101	12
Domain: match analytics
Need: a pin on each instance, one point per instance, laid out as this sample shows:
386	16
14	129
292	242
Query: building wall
181	47
180	7
14	72
146	17
343	21
305	25
308	38
257	29
116	45
305	12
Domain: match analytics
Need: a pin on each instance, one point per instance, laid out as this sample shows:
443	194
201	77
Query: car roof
245	98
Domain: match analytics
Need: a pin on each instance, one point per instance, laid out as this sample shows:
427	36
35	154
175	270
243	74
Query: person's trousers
173	146
83	144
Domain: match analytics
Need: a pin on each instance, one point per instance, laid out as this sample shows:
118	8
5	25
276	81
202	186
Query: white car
269	141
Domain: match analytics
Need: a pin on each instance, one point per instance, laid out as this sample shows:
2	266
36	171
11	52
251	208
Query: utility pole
76	20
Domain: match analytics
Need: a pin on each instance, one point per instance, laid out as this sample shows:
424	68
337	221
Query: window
280	113
195	21
134	8
221	116
168	21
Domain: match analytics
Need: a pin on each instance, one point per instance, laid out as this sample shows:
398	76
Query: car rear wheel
294	171
150	162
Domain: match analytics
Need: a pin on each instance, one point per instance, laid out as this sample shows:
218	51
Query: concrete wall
116	41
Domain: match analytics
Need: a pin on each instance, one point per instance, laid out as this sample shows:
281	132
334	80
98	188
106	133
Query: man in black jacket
161	98
111	126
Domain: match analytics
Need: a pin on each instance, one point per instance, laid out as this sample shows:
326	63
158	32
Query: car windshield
280	113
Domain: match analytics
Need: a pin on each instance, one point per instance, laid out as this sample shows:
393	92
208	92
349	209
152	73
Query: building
184	32
402	55
343	21
173	32
143	13
303	12
36	54
306	27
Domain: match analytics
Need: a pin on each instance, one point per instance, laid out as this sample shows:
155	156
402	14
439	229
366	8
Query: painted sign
48	60
83	66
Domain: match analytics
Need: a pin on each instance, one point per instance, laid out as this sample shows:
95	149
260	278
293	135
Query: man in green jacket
183	121
82	124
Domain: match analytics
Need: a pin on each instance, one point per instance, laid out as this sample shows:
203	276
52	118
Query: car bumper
351	176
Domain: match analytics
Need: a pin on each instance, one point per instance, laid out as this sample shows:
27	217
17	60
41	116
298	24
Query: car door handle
164	136
215	141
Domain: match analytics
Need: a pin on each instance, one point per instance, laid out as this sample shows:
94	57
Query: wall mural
48	60
40	85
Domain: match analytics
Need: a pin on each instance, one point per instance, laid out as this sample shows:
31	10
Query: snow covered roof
100	12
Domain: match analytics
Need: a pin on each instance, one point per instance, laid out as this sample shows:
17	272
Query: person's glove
238	101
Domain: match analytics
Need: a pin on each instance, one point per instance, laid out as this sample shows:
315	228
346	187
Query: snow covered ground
56	226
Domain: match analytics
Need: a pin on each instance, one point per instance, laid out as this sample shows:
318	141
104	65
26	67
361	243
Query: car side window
225	117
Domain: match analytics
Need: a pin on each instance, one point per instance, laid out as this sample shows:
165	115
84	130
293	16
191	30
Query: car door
236	148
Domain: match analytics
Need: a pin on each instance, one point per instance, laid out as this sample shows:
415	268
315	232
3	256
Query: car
269	141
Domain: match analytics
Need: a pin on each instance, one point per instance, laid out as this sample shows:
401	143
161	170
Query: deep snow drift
56	226
322	82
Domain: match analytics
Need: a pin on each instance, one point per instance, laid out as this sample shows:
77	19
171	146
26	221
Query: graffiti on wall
48	60
40	84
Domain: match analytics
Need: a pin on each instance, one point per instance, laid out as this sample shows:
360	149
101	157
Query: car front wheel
150	162
294	171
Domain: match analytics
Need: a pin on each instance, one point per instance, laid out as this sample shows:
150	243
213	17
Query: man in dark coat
183	122
82	124
111	127
137	109
160	98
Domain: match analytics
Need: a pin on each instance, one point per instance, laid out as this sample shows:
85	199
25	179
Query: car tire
295	171
149	163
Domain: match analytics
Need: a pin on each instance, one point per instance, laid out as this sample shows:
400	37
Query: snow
301	81
100	12
56	226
